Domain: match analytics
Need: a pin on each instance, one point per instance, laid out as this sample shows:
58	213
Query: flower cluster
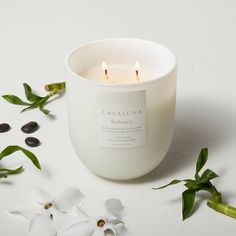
64	216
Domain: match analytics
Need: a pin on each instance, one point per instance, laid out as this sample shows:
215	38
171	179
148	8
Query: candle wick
137	75
137	67
105	68
106	74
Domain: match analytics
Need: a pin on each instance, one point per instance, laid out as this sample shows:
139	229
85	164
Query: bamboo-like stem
55	87
222	208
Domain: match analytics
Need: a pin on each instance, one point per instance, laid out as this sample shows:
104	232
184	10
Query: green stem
55	87
222	208
216	195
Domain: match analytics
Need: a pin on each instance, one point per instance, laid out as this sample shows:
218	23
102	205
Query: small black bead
32	141
30	127
4	127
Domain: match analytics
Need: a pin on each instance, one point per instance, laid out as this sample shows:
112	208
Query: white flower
110	221
50	213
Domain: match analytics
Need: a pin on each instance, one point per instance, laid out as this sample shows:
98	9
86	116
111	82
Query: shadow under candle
199	123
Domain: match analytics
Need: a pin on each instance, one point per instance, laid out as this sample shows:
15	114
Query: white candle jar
121	128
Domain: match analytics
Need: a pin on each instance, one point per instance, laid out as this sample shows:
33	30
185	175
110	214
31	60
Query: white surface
35	37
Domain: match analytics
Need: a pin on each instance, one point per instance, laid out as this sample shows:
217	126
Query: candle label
121	119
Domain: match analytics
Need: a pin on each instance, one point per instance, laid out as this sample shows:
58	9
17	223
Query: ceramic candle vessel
121	126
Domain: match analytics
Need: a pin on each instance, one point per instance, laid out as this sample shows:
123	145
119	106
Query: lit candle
119	73
121	126
105	69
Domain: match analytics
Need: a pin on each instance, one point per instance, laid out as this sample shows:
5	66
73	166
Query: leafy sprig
35	101
4	172
202	183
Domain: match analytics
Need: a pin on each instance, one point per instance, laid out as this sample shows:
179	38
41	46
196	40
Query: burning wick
105	68
137	68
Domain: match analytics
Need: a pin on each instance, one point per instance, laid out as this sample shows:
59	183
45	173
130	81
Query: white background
35	37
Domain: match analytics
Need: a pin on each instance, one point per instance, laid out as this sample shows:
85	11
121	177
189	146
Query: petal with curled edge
42	225
70	198
108	227
121	230
115	207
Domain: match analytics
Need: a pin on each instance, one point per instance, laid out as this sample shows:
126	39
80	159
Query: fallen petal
42	225
70	198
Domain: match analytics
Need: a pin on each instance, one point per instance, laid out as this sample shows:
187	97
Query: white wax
120	74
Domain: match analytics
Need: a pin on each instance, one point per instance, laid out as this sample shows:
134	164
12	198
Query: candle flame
137	66
104	65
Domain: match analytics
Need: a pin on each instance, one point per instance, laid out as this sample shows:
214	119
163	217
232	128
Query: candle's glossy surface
121	128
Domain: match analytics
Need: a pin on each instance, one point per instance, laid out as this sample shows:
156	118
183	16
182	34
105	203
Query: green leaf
15	100
207	176
4	171
42	109
29	95
14	148
37	104
188	197
202	159
191	184
175	181
3	176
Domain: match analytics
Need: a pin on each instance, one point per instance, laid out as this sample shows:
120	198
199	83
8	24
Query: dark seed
30	127
32	141
4	127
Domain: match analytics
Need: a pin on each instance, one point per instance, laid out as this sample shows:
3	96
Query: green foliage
34	101
188	197
14	148
201	183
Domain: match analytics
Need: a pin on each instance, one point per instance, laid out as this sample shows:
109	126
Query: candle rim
132	84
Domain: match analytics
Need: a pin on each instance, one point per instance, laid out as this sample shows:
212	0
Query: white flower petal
98	232
70	198
42	197
80	229
82	215
109	227
27	212
121	230
115	208
63	220
42	225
